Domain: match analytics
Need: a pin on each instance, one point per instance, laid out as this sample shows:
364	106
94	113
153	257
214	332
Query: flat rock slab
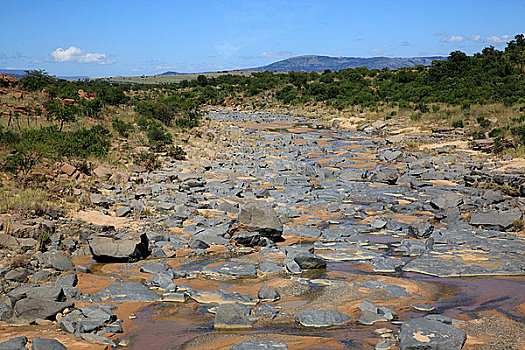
221	297
350	255
322	318
125	292
233	270
494	220
260	345
447	262
423	333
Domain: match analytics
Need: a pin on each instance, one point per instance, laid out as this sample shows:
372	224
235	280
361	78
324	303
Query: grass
21	200
166	79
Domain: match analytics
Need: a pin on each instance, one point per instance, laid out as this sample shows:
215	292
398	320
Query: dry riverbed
296	234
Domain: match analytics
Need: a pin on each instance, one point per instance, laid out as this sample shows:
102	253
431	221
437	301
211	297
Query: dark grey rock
5	311
70	280
263	219
47	344
123	292
420	229
494	220
231	316
123	212
322	318
446	200
267	293
387	177
308	260
248	239
17	343
31	309
17	275
155	268
423	333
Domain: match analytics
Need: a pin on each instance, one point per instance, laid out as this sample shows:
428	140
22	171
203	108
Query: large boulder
262	219
124	292
31	308
109	249
429	334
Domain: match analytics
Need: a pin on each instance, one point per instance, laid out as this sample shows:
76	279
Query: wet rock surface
290	236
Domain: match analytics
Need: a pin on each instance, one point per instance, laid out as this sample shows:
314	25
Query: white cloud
378	52
453	39
475	37
494	39
74	54
280	54
440	33
405	43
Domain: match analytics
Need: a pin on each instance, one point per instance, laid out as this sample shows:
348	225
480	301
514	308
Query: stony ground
286	233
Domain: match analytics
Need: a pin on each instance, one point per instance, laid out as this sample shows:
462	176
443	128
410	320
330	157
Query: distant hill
17	73
321	63
20	73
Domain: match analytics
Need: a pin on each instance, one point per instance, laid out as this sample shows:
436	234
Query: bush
122	128
157	135
177	152
483	122
458	123
416	116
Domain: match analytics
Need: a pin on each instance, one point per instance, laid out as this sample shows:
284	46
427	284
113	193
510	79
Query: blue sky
132	37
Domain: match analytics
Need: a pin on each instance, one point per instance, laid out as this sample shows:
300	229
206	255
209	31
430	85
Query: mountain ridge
319	63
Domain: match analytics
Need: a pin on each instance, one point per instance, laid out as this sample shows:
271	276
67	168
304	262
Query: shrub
483	122
122	128
157	135
458	123
177	152
416	116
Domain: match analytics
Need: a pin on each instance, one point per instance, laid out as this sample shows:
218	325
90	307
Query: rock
423	333
233	270
493	197
123	212
445	201
308	260
87	319
494	220
384	344
119	177
420	229
260	345
387	177
18	275
100	200
68	169
130	249
8	241
368	318
155	268
70	280
267	293
31	309
47	344
248	239
5	311
17	343
59	261
292	267
263	219
322	318
123	292
102	172
231	316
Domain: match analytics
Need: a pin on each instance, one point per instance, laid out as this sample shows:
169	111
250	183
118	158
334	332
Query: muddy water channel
383	236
